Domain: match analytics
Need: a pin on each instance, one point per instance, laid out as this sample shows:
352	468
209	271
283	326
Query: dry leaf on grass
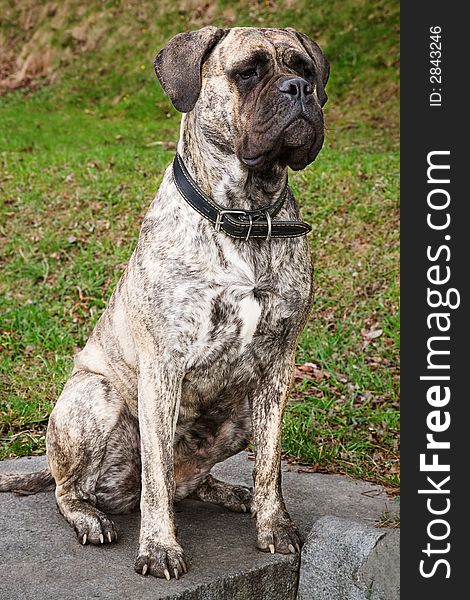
310	371
371	334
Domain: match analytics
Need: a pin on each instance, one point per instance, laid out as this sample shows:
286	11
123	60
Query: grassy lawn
83	147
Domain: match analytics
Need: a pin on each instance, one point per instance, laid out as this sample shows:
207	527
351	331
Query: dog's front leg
158	396
276	531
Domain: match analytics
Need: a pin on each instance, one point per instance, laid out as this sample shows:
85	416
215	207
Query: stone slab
41	559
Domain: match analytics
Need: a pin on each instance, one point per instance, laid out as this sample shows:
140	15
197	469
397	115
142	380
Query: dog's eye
248	74
308	73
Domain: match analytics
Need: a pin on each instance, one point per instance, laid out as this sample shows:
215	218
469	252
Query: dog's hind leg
234	497
77	436
118	487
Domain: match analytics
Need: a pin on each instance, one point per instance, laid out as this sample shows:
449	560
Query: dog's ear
323	66
178	65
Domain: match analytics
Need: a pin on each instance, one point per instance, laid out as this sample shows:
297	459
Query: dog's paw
238	498
161	560
95	528
279	535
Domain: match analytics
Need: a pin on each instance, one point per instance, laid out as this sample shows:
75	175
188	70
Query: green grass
81	158
389	519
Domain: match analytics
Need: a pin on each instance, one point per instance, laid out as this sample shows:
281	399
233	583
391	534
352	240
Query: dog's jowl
193	355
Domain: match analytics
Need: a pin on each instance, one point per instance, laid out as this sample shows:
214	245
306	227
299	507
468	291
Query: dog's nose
296	87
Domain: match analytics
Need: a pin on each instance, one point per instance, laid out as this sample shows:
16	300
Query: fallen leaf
310	371
371	334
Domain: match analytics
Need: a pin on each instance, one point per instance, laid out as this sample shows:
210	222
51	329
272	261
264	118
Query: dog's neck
222	176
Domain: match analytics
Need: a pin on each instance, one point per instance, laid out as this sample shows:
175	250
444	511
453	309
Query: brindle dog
193	355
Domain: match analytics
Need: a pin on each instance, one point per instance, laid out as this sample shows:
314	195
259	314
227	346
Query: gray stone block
349	560
381	570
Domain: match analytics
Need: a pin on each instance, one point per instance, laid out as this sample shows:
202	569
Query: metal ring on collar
250	227
268	219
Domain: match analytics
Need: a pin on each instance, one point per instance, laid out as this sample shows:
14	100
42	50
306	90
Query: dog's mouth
254	162
297	144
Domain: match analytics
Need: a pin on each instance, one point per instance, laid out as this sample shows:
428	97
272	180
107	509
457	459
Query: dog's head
256	93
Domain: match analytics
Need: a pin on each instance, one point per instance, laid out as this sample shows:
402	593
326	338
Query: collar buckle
221	213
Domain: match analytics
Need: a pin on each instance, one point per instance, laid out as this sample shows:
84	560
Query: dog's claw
243	507
160	560
279	535
94	528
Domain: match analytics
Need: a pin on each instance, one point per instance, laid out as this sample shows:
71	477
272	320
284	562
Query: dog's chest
223	325
246	312
227	351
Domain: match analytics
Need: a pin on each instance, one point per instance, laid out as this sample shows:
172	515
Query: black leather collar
236	222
